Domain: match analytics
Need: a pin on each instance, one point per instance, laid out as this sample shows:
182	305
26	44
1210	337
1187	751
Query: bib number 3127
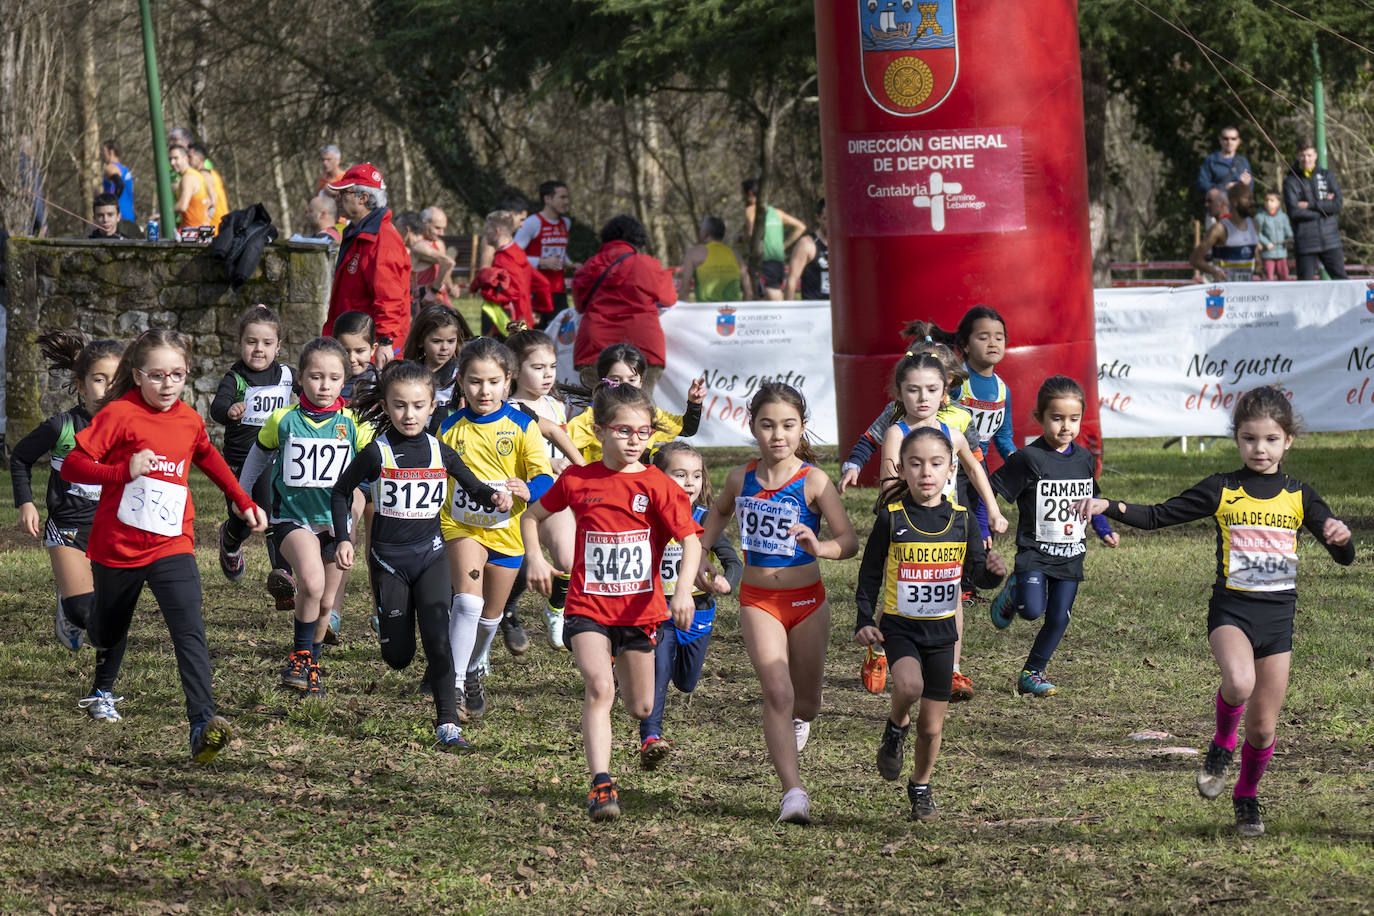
314	462
617	562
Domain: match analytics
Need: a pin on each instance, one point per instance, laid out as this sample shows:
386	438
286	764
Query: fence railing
1181	273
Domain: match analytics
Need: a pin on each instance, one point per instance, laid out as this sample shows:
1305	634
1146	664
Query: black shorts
1268	627
63	534
771	274
931	643
281	529
623	639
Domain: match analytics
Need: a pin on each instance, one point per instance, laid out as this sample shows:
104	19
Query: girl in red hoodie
138	448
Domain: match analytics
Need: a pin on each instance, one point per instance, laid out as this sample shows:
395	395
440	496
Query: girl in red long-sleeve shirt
138	448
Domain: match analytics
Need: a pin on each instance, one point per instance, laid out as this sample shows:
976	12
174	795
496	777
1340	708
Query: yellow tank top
717	277
924	568
1258	539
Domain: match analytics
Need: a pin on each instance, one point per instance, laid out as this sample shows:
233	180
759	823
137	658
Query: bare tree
31	103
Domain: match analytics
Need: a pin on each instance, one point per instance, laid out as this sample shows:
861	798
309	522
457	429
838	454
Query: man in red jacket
372	274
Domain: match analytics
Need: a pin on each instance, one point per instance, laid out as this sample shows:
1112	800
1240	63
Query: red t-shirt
139	521
624	520
546	240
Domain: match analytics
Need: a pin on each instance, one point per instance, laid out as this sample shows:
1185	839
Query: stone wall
118	289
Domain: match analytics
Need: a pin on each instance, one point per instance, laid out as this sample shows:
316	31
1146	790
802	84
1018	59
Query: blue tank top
949	486
124	189
764	517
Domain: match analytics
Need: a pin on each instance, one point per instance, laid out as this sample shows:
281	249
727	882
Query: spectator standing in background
219	198
775	246
544	238
1313	199
430	259
1275	232
323	215
1225	165
330	172
105	215
372	273
117	179
714	268
810	266
192	205
515	205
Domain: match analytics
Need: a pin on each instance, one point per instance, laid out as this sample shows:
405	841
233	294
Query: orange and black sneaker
652	752
874	670
960	688
603	804
296	673
313	686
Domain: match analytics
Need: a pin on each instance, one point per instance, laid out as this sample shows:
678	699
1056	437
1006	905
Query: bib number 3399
314	462
157	506
617	562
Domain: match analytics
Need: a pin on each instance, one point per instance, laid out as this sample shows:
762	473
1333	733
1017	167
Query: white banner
1172	361
738	346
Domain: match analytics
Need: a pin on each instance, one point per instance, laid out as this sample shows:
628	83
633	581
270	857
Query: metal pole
1318	106
161	165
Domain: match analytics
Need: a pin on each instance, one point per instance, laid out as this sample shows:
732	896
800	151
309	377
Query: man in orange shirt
330	172
192	205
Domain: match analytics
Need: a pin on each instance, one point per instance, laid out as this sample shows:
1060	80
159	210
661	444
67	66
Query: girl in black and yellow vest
915	555
1258	510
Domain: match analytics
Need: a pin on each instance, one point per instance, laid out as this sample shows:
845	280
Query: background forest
656	107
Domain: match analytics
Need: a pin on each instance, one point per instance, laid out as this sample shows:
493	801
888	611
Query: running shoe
874	670
476	696
1003	607
513	632
891	750
100	706
960	688
1033	682
450	738
69	634
802	730
922	803
296	672
1248	816
553	626
313	685
461	704
603	803
209	738
1211	779
230	562
331	635
972	596
796	807
282	587
652	752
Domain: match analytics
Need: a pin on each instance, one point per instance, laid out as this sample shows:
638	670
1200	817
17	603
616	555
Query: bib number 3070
157	506
617	562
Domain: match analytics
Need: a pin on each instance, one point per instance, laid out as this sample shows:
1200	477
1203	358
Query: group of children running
460	466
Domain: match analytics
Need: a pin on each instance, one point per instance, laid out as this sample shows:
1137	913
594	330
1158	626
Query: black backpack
243	234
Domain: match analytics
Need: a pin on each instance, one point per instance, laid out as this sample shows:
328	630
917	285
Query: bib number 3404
617	562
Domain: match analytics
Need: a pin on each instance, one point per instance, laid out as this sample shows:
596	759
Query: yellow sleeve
363	433
670	425
580	431
954	416
267	436
534	458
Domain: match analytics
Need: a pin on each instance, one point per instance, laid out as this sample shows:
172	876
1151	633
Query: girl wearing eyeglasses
138	449
626	513
624	364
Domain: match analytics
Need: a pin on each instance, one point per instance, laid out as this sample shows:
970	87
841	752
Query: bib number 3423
617	562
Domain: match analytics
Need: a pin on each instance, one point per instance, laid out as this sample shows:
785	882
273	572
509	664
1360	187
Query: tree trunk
407	173
653	180
1095	134
88	107
768	143
283	199
200	70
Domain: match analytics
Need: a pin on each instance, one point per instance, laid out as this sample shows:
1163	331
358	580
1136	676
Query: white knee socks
462	633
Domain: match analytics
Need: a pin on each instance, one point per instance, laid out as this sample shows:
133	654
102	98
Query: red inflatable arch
955	175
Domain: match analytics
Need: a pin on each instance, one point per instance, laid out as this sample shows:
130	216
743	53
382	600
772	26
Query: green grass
342	805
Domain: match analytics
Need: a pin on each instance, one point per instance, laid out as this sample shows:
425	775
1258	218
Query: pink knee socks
1228	720
1253	763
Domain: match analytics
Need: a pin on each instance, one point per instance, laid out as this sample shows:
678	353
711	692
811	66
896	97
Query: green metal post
161	166
1318	106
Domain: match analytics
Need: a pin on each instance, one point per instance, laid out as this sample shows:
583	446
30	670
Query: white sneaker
803	731
796	807
100	706
69	634
483	665
553	625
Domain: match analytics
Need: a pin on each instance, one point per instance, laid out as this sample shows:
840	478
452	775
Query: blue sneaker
1003	607
331	636
209	738
1034	683
450	738
100	706
69	634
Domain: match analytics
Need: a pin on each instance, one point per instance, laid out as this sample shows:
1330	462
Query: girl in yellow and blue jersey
623	364
504	448
1258	510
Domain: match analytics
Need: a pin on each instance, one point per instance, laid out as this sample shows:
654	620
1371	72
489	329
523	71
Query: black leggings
175	583
410	585
236	531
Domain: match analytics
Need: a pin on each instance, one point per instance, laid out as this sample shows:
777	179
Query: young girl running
778	502
357	334
435	336
681	651
503	447
1046	479
626	513
408	469
138	448
71	506
982	338
1258	510
915	556
253	387
312	442
623	364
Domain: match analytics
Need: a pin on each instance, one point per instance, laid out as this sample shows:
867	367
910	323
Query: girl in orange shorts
778	502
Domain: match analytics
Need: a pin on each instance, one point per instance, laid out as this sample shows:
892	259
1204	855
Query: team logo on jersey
460	447
1216	302
341	432
725	321
505	445
567	331
640	502
910	53
1369	295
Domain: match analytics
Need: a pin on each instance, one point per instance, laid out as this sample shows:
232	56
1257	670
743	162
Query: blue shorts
506	561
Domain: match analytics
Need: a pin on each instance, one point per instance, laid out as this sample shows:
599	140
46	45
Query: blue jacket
1217	172
1276	230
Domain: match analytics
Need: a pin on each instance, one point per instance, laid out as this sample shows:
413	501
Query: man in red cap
372	274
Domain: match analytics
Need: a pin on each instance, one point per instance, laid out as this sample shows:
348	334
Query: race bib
85	491
669	567
987	416
617	562
928	589
411	492
1056	521
763	525
314	462
154	505
547	250
1262	559
469	510
260	400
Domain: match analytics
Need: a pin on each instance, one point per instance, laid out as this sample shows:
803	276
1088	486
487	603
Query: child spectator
1275	231
105	215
